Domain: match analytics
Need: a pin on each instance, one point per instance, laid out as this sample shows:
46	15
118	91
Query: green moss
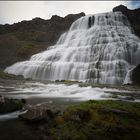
4	75
108	103
28	49
11	105
19	104
8	76
99	120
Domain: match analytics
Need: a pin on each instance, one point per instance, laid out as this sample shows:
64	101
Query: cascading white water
97	48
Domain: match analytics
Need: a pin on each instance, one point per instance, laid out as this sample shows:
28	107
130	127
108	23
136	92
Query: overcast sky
15	11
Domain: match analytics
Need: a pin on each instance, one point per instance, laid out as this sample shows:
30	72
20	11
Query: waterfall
100	48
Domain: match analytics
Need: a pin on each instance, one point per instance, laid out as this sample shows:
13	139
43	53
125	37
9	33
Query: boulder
36	114
9	105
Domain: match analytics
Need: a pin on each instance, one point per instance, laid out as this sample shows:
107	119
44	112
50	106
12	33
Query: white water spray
97	48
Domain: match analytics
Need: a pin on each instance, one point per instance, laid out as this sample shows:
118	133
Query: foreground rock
99	120
10	105
41	113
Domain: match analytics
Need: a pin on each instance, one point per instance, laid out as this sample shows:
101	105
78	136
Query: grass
98	120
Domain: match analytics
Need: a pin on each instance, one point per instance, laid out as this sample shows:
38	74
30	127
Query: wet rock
132	15
130	98
39	113
136	75
10	105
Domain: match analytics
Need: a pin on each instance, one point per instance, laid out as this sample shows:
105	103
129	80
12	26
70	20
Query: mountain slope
21	40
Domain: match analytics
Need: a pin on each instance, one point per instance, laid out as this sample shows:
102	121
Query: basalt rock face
21	40
132	15
136	75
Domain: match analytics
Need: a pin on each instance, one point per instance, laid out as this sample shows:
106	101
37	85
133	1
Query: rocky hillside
21	40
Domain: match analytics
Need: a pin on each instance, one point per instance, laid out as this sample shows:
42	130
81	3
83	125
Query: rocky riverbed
88	120
62	107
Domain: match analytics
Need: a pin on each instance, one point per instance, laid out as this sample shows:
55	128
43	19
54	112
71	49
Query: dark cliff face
132	15
21	40
136	75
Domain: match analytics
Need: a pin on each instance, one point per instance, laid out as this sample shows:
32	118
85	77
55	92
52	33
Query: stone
36	114
9	105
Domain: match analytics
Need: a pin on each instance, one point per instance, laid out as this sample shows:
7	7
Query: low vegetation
7	76
4	75
98	120
28	49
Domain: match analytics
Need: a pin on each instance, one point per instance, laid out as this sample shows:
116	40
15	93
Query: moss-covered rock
99	120
9	105
6	76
